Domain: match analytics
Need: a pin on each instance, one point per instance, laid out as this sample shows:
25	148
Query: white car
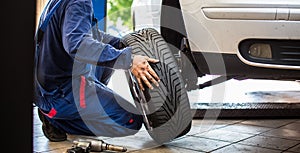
240	39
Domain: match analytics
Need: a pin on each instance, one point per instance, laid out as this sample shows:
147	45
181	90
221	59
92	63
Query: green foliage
120	9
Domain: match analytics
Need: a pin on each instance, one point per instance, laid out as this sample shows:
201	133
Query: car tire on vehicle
169	115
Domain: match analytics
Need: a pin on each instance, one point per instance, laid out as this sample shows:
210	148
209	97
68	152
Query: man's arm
110	39
79	43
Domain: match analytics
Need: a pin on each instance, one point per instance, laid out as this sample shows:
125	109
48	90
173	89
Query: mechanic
73	64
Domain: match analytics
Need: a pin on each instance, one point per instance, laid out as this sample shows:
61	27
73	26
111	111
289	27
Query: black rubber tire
171	115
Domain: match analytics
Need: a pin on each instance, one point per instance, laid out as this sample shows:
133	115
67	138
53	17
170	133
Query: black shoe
51	132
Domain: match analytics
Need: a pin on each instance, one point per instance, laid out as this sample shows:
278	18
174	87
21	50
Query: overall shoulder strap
44	21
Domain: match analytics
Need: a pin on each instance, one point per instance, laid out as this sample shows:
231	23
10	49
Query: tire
169	114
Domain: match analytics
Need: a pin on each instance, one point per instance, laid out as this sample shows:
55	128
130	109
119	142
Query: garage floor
210	135
251	136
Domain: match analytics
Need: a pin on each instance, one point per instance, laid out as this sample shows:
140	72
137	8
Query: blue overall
74	62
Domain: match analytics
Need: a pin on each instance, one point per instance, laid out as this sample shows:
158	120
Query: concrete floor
251	136
209	135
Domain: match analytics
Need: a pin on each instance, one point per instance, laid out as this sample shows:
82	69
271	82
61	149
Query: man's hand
143	71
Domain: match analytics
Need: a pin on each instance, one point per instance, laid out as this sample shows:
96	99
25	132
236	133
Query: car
233	39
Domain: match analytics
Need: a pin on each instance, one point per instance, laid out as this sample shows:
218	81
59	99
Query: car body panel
225	23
